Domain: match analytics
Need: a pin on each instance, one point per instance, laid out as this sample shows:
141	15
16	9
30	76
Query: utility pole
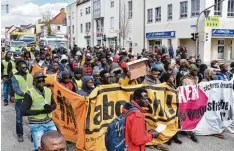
197	31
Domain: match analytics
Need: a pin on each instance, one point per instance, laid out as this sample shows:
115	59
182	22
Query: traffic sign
213	21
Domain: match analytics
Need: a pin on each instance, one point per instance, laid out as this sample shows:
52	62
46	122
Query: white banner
218	112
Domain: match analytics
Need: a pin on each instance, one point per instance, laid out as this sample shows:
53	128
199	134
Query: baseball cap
39	75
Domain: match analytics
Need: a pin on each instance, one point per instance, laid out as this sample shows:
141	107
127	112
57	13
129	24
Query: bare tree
46	19
124	24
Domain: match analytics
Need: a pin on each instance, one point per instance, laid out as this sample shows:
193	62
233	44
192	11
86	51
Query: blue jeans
6	90
37	130
19	119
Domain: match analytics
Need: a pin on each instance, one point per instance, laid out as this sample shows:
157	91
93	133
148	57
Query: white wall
81	41
62	31
71	11
111	12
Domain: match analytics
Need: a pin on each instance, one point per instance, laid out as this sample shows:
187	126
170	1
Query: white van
53	41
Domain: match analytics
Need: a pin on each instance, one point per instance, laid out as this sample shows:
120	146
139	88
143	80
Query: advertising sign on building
165	34
223	32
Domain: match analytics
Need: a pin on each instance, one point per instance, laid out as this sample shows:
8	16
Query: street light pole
197	40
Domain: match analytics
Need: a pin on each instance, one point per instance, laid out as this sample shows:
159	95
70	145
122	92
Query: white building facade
147	23
171	22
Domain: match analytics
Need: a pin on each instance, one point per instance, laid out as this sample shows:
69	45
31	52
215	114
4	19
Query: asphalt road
9	138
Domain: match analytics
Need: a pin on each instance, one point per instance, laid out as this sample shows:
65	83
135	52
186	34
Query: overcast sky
23	12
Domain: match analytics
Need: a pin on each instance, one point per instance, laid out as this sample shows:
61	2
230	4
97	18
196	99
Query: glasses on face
40	81
24	67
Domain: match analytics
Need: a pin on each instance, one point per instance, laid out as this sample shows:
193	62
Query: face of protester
106	77
39	83
224	68
48	58
103	61
212	75
155	74
23	68
168	59
90	84
158	58
170	69
76	58
37	57
78	76
88	61
171	79
198	63
66	79
43	57
55	66
75	65
8	55
143	100
56	59
194	73
52	144
28	55
108	55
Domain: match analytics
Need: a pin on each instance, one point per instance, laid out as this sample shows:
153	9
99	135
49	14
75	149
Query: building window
87	10
81	12
72	15
195	8
58	28
218	8
129	9
230	8
169	12
158	14
112	3
150	16
88	27
81	28
112	22
100	25
96	8
69	29
184	9
73	29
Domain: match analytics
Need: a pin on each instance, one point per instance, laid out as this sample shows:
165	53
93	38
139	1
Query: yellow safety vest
13	67
24	85
5	65
79	84
38	102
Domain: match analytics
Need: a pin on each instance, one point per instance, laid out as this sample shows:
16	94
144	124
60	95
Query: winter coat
136	135
223	76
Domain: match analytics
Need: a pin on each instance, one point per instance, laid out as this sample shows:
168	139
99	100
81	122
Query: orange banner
36	68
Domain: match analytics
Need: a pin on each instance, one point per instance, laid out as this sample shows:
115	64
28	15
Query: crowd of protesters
81	70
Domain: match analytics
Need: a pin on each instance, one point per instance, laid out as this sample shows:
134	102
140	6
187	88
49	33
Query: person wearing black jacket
38	105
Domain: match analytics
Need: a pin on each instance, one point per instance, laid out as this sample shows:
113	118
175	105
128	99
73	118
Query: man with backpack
128	132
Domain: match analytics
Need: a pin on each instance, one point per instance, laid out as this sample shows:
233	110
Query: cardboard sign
138	68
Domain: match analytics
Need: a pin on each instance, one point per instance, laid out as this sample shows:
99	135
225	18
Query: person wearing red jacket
136	135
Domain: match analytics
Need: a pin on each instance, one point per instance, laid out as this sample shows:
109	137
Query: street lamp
206	13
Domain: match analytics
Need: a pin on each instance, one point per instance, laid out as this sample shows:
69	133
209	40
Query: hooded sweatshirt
85	91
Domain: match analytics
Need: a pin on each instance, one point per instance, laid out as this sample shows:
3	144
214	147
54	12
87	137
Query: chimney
62	10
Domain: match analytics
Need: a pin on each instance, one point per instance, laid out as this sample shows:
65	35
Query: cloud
27	13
